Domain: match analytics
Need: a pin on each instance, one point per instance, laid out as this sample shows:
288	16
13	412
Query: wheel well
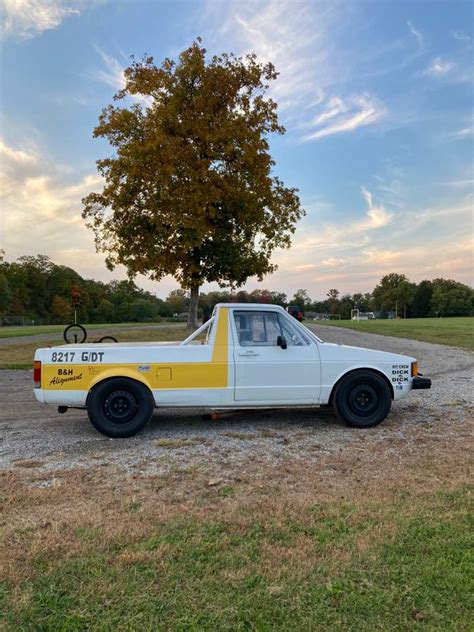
382	375
119	377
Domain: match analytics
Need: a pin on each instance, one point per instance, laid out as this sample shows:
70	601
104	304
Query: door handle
248	354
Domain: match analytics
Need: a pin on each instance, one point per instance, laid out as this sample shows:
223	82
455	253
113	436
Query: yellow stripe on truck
173	375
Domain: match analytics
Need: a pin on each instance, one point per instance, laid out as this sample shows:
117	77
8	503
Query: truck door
266	373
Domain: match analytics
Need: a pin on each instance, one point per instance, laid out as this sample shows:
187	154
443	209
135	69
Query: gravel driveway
34	435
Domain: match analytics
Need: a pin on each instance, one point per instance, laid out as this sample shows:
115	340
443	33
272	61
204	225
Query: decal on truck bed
62	356
59	380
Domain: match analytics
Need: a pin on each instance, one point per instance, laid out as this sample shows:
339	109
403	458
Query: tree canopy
189	191
394	291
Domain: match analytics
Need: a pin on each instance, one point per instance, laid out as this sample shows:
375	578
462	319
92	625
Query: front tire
362	399
120	407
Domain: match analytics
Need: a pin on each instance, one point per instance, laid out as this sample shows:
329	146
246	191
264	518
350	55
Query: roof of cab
259	306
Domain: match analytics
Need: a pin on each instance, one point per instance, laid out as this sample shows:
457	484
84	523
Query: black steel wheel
120	407
362	399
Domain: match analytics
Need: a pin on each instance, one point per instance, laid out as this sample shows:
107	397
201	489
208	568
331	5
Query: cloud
23	19
377	216
41	211
42	205
459	183
461	36
444	214
353	257
112	71
417	35
299	38
465	132
332	262
345	116
379	256
293	36
336	240
304	267
16	156
112	74
438	68
390	187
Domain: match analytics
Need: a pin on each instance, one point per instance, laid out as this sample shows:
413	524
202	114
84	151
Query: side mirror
281	342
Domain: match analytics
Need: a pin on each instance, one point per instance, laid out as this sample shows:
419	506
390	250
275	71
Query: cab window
262	329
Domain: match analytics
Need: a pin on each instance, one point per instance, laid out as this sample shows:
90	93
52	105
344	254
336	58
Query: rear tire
362	399
120	407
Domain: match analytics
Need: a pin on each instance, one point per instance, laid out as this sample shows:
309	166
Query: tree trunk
193	308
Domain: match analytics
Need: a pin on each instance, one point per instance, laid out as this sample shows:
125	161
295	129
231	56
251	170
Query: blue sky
376	98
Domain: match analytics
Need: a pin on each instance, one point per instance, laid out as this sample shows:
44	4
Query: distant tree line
33	288
396	294
36	289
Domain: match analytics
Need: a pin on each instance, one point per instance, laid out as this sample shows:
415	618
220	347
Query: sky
376	98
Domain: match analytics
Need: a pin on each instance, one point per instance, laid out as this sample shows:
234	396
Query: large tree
385	291
333	300
189	191
301	298
421	304
393	291
451	298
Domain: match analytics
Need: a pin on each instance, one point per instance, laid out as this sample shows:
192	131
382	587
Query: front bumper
421	383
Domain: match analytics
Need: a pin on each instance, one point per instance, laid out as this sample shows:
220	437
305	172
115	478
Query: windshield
311	333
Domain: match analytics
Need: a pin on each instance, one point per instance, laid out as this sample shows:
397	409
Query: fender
119	372
361	368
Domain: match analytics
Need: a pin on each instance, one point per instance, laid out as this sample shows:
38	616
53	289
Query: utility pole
396	310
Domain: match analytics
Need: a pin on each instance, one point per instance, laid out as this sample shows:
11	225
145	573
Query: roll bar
196	333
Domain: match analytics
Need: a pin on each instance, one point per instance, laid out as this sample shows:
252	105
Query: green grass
34	330
208	573
458	332
16	366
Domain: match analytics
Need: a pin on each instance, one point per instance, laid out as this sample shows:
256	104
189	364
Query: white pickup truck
245	356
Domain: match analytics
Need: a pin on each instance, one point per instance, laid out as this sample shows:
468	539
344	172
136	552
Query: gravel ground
36	436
